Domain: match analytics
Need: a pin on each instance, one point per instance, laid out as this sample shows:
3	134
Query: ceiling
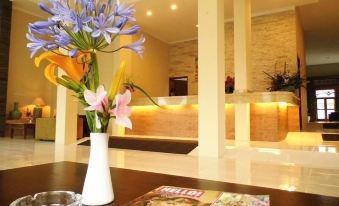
173	26
321	26
320	19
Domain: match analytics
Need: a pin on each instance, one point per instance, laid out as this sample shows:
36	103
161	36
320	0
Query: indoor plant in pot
285	81
70	39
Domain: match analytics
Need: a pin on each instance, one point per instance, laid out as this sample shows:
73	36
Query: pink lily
98	101
121	110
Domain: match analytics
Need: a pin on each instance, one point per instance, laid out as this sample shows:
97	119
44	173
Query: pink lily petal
121	110
124	121
101	93
98	101
90	97
124	99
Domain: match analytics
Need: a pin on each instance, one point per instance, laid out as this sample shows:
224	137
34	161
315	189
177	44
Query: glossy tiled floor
297	164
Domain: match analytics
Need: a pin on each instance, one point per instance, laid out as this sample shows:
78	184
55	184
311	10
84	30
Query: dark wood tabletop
129	184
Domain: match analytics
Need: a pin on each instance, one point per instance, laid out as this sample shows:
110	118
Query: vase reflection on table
71	39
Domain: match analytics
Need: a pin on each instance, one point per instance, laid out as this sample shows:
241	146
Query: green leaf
142	91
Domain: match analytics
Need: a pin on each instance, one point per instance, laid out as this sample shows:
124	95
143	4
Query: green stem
93	75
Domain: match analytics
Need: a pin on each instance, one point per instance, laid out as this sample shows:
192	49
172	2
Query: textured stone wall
5	28
273	44
269	121
182	62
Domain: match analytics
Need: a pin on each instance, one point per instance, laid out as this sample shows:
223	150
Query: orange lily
71	66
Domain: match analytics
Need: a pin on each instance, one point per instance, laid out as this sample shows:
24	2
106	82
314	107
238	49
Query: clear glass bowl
53	198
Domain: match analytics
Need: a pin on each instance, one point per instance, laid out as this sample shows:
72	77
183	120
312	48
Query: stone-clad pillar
242	65
211	70
5	31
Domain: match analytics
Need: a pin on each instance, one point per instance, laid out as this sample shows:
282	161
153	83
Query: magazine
178	196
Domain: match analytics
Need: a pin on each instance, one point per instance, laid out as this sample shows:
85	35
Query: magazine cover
178	196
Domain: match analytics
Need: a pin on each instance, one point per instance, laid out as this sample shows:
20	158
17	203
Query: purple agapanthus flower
63	39
102	9
36	44
80	21
130	31
43	24
43	31
73	53
123	11
90	5
137	46
121	22
45	8
42	27
61	11
103	27
110	3
68	17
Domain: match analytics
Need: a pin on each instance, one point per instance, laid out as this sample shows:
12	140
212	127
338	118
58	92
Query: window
325	103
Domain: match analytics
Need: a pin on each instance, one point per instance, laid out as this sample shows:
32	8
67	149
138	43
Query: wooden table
129	184
20	125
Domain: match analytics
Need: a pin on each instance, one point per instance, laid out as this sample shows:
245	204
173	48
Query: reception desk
272	115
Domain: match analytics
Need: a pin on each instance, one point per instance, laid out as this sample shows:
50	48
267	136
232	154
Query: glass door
325	103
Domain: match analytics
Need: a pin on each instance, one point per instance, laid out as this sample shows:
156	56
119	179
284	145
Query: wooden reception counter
273	114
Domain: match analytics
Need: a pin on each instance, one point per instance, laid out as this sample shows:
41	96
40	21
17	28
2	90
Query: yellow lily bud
117	81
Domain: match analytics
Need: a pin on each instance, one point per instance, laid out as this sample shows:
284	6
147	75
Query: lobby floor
312	168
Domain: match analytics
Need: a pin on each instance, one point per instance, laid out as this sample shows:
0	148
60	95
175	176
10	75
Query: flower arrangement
285	81
229	85
70	39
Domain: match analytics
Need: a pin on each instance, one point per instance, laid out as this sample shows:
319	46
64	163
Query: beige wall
323	70
25	81
273	43
182	62
151	71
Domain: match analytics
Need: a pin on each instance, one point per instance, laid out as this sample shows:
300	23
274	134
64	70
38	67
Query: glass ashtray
52	198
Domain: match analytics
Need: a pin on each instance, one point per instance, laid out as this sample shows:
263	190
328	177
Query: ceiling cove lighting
149	13
174	7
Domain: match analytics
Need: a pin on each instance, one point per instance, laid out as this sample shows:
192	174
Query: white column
66	116
242	65
211	78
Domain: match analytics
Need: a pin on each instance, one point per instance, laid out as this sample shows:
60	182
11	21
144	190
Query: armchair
45	128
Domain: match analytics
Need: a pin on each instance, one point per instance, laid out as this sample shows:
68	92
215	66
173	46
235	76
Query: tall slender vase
98	189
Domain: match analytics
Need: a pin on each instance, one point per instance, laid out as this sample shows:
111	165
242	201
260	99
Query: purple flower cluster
82	25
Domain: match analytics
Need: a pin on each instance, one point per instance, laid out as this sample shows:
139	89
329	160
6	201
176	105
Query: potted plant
229	85
285	81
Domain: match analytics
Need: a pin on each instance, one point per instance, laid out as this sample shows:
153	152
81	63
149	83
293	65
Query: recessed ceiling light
149	13
174	7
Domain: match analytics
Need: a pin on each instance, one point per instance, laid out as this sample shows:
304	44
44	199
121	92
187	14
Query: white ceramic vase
98	189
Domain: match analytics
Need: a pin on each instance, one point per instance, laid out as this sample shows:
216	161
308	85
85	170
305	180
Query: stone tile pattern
269	121
5	28
273	44
182	62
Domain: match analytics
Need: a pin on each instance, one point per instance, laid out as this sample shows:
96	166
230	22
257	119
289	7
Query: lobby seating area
45	129
40	128
236	96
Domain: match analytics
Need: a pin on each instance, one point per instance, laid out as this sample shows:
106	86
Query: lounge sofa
45	128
